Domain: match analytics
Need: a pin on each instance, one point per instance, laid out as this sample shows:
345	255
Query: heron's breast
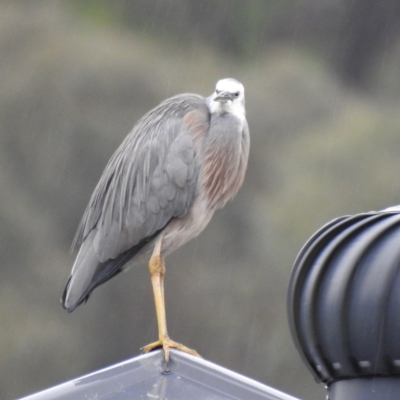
224	161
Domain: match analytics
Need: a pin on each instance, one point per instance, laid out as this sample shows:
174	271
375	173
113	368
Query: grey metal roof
146	377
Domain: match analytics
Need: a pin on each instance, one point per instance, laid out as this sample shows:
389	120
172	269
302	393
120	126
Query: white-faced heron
182	161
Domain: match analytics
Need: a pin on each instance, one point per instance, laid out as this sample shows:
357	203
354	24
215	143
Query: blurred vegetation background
323	95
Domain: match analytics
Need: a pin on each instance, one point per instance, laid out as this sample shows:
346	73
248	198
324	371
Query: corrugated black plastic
344	299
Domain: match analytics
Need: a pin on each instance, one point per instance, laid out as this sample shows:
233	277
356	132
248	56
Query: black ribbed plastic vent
344	298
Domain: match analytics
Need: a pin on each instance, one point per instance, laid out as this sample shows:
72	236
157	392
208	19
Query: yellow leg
157	272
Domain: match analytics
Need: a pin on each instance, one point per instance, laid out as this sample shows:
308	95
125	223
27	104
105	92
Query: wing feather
150	179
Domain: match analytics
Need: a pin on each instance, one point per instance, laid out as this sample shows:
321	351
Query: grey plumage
182	160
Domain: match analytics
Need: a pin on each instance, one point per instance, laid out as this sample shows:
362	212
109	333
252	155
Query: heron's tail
83	273
88	272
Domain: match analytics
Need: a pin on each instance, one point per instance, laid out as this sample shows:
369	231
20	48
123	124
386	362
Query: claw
166	344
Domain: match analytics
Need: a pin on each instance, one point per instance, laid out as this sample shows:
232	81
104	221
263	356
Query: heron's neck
235	109
223	168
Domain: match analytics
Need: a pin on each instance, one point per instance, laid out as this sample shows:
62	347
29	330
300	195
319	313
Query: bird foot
166	343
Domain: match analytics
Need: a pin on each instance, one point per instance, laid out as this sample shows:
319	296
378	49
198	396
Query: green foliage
350	34
98	12
74	81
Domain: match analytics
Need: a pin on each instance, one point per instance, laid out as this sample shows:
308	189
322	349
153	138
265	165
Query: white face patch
229	85
233	103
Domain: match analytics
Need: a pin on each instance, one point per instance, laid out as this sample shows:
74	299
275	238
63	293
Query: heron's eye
237	94
217	91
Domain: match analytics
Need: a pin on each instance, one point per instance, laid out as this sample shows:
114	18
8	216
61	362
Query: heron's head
228	98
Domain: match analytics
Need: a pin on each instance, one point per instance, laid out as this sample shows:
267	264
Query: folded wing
150	179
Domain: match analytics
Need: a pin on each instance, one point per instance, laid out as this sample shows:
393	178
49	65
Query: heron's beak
223	97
